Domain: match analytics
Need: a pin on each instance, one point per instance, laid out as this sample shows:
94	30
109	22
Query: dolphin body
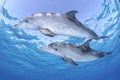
73	52
52	24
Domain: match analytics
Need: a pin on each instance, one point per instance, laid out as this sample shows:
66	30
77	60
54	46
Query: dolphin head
52	48
26	24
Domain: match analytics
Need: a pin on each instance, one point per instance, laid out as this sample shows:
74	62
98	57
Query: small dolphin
73	52
52	24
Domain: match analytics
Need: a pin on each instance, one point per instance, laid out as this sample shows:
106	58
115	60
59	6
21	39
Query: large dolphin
73	52
52	24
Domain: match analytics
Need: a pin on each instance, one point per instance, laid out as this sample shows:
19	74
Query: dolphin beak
43	47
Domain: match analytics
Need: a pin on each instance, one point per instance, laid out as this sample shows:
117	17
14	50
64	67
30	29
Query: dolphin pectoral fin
69	60
72	13
47	32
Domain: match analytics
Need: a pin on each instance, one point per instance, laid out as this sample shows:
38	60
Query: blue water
21	59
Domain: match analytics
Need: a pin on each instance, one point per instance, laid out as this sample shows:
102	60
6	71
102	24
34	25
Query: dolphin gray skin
73	52
52	24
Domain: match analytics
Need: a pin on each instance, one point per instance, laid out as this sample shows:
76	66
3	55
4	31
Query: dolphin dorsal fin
85	46
72	13
86	43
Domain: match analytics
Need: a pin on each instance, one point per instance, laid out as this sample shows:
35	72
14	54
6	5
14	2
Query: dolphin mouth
15	26
43	47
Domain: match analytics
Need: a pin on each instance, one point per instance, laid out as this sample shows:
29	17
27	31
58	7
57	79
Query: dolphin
73	52
52	24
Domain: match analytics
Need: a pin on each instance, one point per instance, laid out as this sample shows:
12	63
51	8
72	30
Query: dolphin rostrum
52	24
73	52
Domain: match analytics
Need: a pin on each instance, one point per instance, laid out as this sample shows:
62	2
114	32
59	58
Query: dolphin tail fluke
102	37
101	54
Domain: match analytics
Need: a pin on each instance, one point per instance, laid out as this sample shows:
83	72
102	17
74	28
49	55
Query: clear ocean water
21	59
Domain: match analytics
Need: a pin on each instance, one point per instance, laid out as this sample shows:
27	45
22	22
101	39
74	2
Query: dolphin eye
26	21
55	49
